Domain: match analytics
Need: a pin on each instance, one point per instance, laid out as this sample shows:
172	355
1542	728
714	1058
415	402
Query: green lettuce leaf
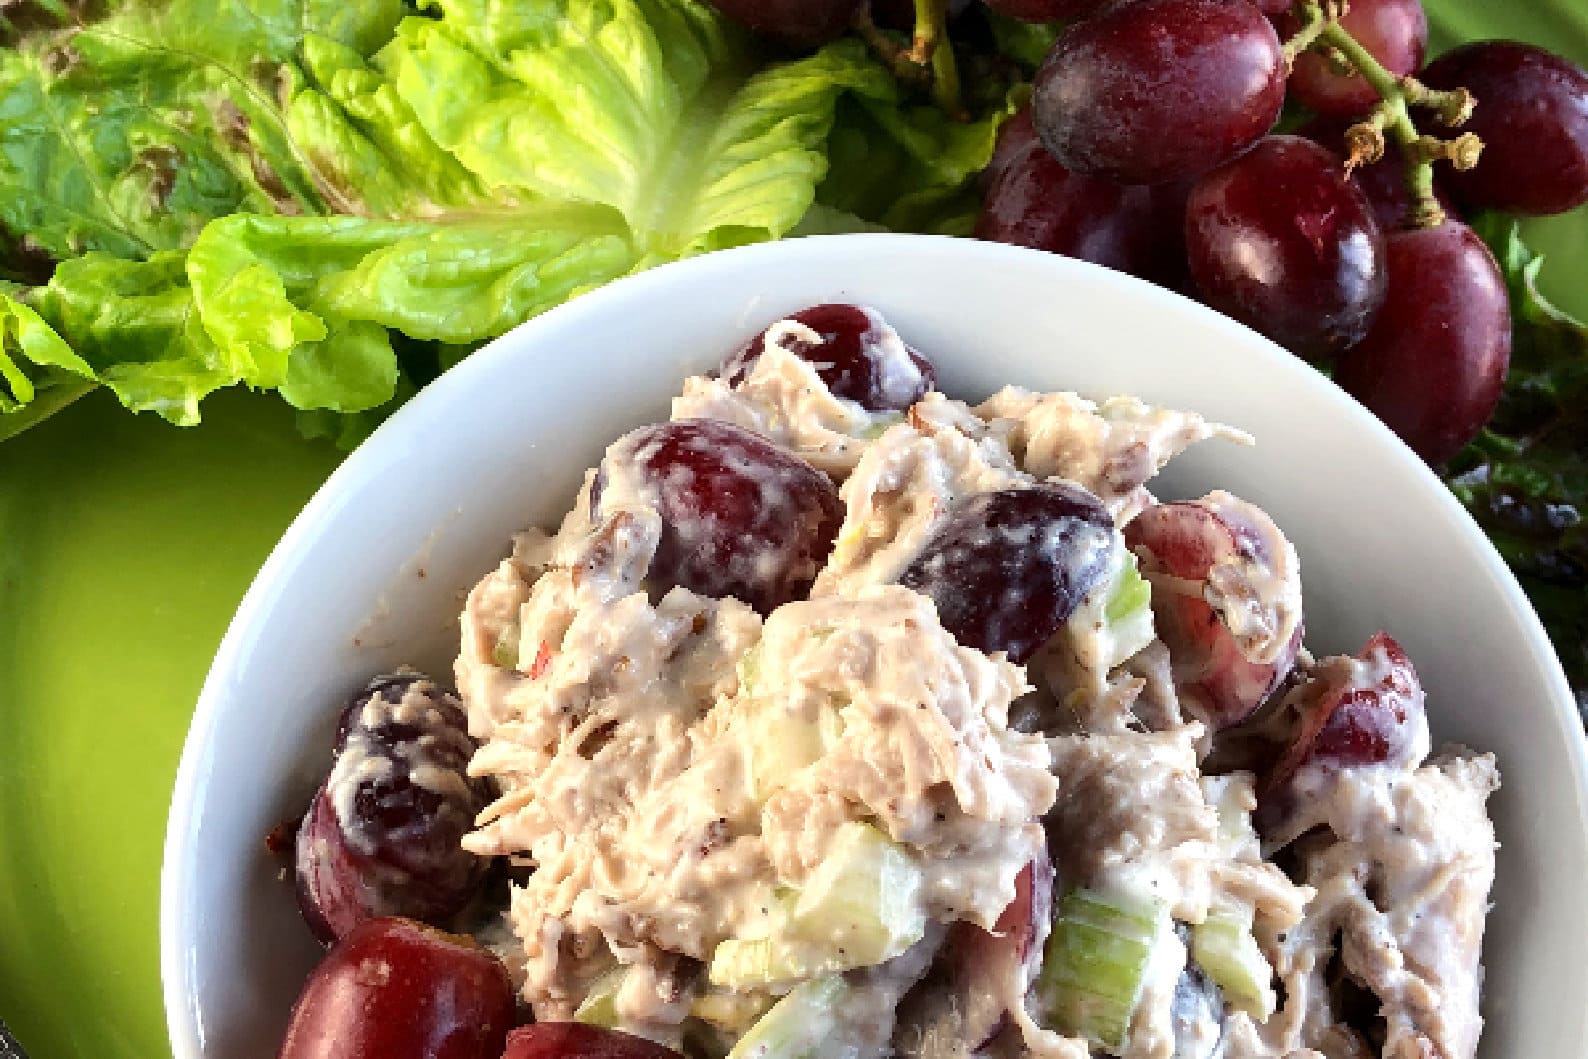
282	193
1525	478
301	305
639	105
129	134
909	167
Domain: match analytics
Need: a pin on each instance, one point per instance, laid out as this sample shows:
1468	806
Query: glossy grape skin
1283	241
575	1040
1159	90
1032	200
1008	568
1211	672
1532	116
1434	363
795	23
1372	717
1395	32
394	847
740	516
851	358
1046	10
394	987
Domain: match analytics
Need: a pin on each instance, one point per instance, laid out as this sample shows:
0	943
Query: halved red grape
1034	201
382	836
740	516
576	1040
1159	90
1532	116
393	987
1045	10
1008	568
1225	660
796	23
856	352
1284	242
1395	32
1373	715
1434	363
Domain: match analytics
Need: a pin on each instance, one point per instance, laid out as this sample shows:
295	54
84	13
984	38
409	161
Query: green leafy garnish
282	193
1525	478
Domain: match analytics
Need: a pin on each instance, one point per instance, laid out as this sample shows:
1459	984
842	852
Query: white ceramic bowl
371	573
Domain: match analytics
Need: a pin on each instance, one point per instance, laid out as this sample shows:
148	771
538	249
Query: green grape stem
928	58
1321	30
932	44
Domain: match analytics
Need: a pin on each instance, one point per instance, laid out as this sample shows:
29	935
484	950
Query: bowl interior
372	573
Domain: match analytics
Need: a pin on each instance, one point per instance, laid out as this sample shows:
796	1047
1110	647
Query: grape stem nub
1321	30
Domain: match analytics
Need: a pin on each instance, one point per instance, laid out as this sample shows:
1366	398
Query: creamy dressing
784	400
673	768
1111	449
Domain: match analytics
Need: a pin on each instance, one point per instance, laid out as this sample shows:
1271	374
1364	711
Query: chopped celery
864	898
1095	963
861	906
746	963
800	1026
1115	620
600	1006
780	745
732	1010
881	423
1223	946
1131	595
749	668
505	652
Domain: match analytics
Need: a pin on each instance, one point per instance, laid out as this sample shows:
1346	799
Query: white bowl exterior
370	575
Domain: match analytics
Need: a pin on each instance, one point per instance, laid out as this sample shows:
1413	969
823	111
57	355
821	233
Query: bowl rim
183	1020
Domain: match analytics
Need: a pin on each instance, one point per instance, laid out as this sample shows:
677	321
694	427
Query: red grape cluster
1148	148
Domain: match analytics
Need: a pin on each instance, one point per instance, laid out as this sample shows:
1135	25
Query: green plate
125	545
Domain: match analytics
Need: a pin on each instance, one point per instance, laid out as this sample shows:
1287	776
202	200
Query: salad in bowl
843	717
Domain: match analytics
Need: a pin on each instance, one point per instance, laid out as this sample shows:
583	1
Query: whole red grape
857	354
1395	32
1008	568
393	987
1034	201
1434	363
740	516
1532	116
1284	242
1159	90
382	836
796	23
